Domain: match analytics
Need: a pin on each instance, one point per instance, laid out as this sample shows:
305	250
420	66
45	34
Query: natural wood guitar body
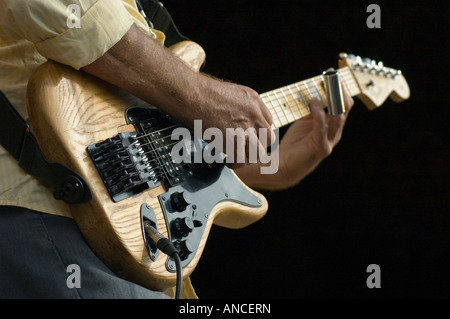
70	110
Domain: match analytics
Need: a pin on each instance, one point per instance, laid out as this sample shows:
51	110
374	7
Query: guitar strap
159	18
18	140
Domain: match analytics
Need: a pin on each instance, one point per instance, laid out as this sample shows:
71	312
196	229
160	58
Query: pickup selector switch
181	227
180	200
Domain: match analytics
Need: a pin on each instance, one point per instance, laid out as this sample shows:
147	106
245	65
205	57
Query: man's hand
148	70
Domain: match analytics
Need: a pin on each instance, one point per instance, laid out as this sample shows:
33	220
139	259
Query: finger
266	113
243	146
336	123
335	127
270	137
266	136
320	123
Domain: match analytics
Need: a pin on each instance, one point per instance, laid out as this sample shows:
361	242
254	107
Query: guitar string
273	108
153	141
290	100
151	134
342	76
302	97
343	72
162	158
286	103
295	101
159	131
157	149
305	84
346	75
318	89
267	94
154	159
160	139
279	104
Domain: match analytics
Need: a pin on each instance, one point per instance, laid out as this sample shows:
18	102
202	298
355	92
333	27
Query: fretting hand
304	145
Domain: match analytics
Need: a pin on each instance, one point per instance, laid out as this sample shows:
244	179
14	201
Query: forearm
148	70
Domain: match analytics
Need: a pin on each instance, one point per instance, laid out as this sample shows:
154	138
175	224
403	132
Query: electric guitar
120	146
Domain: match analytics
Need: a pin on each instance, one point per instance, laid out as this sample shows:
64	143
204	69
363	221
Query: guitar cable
167	247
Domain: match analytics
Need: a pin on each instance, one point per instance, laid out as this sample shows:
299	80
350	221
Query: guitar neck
290	103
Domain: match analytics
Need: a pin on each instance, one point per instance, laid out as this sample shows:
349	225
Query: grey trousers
44	256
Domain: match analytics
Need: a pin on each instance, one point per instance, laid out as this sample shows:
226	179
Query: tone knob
180	200
184	248
181	227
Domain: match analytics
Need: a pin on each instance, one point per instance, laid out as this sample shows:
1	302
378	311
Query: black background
382	197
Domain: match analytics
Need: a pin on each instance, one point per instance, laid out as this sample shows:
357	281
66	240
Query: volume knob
181	227
180	200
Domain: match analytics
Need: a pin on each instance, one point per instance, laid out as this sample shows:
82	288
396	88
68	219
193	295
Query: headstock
376	81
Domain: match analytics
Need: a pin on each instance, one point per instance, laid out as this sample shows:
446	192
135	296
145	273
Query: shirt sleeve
72	32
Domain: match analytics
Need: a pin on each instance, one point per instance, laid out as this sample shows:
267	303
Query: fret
305	102
324	100
277	107
290	103
268	101
305	83
299	107
294	117
344	81
347	78
304	91
281	106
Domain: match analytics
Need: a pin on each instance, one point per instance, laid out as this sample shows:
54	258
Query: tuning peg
381	69
389	73
373	67
393	73
349	56
358	64
398	73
